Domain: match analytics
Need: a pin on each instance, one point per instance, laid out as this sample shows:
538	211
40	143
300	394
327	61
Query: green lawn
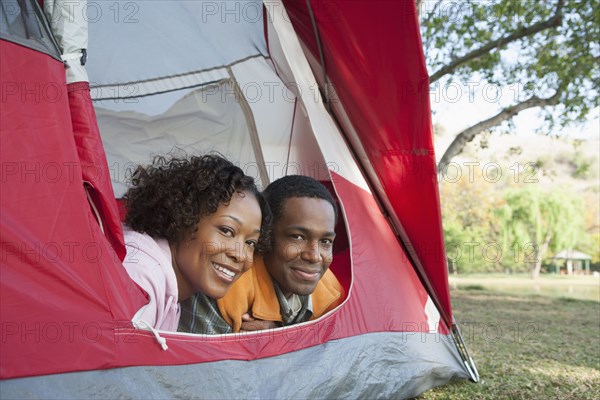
577	287
527	347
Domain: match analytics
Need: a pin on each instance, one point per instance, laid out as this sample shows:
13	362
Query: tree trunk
464	137
537	265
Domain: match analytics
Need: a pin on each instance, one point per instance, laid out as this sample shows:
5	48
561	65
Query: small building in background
575	262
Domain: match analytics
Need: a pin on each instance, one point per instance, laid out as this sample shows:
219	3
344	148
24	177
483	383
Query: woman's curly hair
168	198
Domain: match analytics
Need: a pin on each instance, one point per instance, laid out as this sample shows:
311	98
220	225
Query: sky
462	105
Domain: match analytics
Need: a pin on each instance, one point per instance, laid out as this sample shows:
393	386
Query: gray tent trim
375	365
22	22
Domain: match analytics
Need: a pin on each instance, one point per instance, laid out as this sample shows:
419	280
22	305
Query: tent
336	90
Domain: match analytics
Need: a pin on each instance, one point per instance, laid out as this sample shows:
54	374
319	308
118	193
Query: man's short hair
296	186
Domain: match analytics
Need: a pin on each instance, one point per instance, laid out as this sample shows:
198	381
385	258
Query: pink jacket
148	263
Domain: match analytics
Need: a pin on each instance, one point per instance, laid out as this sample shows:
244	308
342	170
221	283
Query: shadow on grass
471	287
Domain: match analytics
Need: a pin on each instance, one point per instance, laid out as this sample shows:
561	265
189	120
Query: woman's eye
251	243
327	242
226	230
296	237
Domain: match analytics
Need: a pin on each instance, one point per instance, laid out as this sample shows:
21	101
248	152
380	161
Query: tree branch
552	22
459	142
429	14
424	21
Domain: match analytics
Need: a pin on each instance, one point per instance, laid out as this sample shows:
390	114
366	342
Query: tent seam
251	124
224	66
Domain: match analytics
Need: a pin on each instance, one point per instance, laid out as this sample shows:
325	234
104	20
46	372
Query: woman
192	226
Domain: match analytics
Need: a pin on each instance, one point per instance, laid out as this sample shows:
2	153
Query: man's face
303	244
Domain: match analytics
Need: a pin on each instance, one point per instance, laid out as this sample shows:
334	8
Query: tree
533	221
469	222
545	52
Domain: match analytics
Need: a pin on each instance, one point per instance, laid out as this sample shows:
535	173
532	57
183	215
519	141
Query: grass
520	277
527	347
578	287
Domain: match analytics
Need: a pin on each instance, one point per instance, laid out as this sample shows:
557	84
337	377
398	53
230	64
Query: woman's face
220	251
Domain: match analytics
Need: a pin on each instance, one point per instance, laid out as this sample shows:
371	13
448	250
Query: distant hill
557	162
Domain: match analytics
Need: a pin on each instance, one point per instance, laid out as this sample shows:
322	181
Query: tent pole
464	353
321	56
251	124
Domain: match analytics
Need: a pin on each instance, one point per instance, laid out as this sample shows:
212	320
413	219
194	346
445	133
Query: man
290	283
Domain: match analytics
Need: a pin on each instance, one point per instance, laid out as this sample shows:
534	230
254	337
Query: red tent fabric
62	283
96	175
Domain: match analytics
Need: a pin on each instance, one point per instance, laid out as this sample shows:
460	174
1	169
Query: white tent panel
252	116
272	106
326	132
69	24
305	155
138	96
156	55
199	122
